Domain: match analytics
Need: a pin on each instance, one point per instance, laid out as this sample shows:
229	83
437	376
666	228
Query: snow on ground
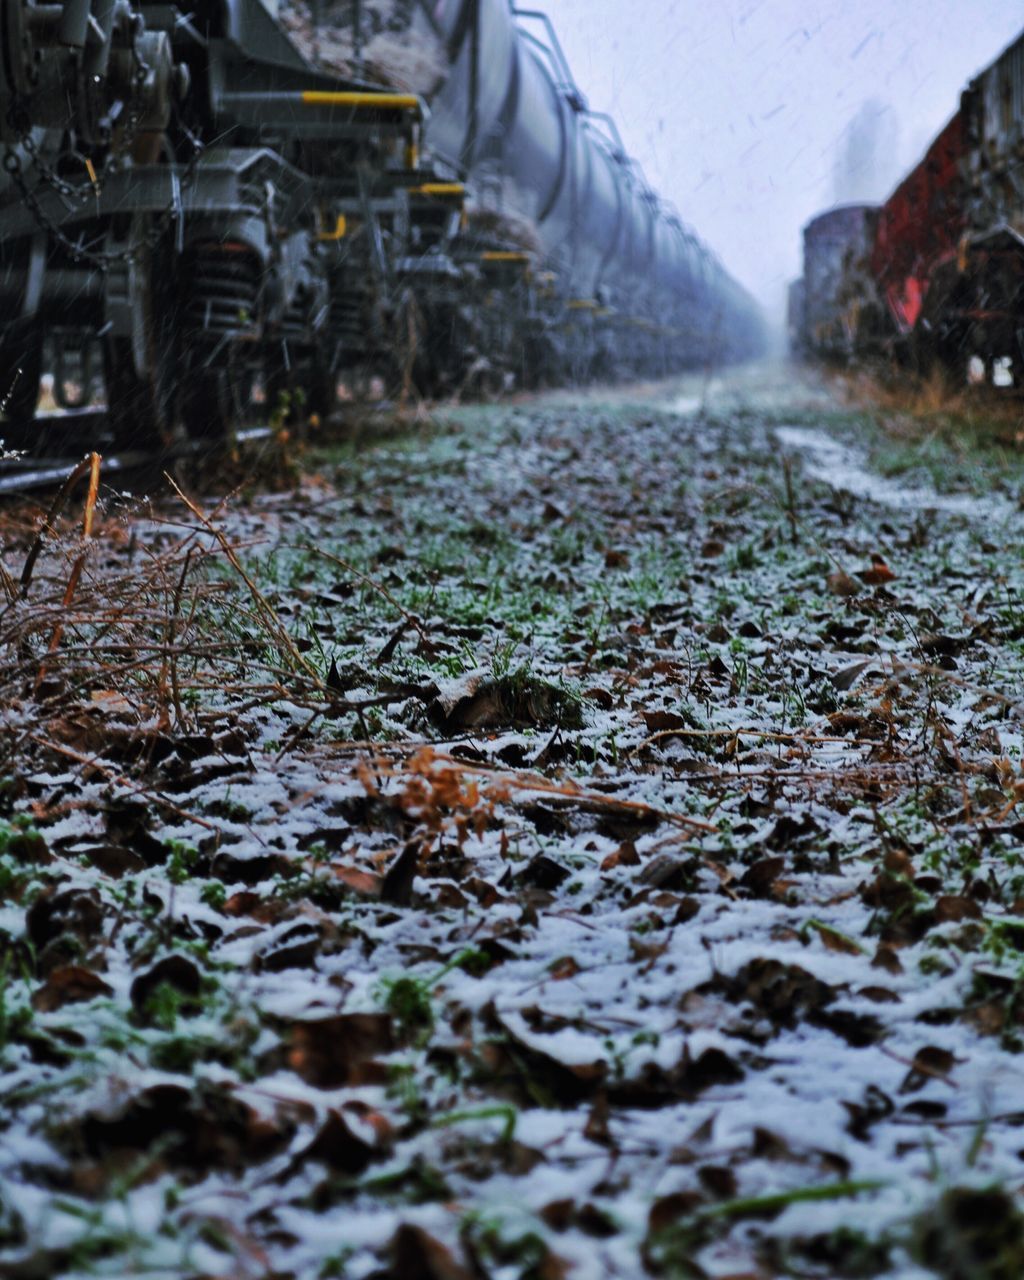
577	839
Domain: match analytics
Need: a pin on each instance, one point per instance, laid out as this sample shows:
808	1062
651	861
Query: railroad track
29	474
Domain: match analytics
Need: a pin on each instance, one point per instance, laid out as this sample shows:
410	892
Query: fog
753	115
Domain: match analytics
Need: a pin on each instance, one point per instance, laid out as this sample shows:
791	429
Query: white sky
737	109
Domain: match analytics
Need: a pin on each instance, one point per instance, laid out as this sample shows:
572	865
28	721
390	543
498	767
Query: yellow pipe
439	189
582	304
504	255
340	230
381	101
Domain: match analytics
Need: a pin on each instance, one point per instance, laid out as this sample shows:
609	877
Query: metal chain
101	259
78	252
49	176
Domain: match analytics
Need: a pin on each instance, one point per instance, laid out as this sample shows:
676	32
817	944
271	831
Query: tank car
237	203
837	246
988	294
796	324
560	230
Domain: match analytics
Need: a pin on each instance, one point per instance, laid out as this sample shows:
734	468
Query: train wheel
215	401
141	366
21	366
323	389
141	409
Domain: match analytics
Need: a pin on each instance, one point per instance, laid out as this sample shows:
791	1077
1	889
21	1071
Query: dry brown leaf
69	984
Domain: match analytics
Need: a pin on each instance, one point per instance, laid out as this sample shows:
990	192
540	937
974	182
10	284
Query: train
232	208
933	278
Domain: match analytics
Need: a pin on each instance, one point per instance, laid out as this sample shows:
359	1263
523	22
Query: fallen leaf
834	940
330	1052
542	872
878	575
417	1255
841	584
760	878
564	968
666	1211
624	856
600	697
846	678
367	884
930	1063
664	721
340	1146
69	984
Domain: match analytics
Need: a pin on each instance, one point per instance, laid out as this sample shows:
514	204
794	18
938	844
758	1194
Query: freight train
235	203
935	275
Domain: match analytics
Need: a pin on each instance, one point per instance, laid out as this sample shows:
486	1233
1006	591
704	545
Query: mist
754	115
866	161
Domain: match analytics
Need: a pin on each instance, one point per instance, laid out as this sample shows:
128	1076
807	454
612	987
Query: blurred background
755	115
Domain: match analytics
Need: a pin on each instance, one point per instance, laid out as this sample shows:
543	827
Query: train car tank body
507	115
835	244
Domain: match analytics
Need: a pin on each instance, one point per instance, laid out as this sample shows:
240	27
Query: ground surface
574	838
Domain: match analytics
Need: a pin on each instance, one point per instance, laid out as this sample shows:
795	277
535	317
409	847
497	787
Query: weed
182	861
335	1267
970	1231
410	1000
505	1113
225	807
743	558
507	1240
673	1249
20	839
214	895
410	1003
15	1006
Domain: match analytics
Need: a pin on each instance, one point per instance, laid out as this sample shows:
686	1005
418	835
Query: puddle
845	468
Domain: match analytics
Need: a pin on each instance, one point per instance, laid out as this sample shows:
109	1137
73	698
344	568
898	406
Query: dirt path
577	839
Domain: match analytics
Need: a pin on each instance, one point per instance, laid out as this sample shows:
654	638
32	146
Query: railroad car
837	244
989	299
917	234
945	273
224	205
795	322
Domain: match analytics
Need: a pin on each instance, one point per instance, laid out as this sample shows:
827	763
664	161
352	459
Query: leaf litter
574	840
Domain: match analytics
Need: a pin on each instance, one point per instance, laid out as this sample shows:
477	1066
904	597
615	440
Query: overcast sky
753	115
